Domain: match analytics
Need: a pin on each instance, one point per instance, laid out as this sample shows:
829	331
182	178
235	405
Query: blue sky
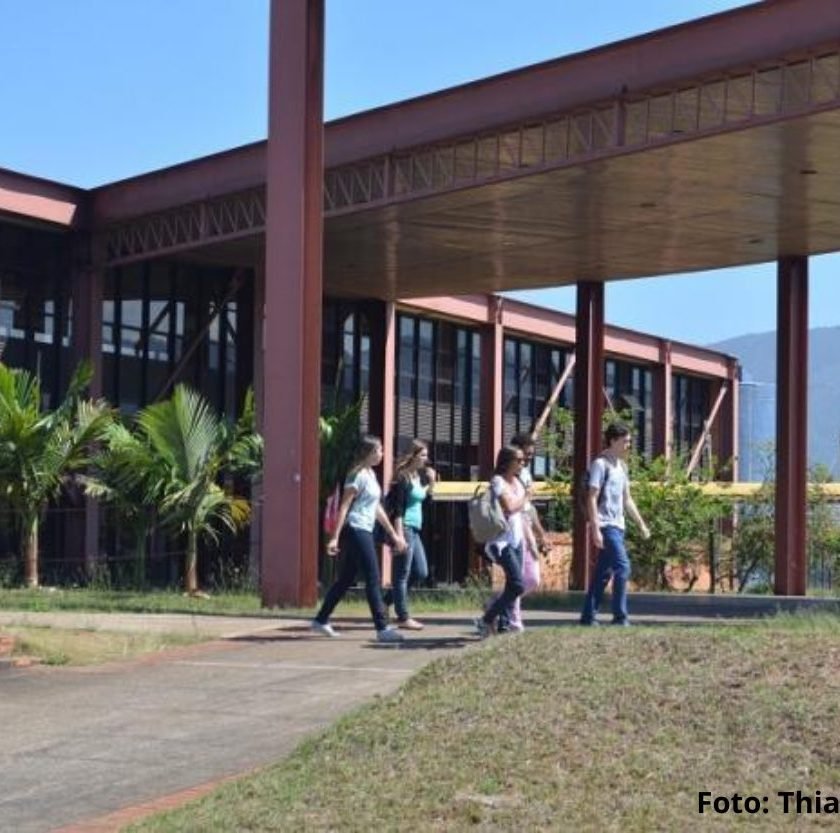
99	90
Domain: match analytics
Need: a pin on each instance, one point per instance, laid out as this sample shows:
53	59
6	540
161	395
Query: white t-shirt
513	535
610	500
362	512
527	480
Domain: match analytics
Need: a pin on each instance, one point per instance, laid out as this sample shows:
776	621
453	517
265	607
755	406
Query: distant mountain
757	354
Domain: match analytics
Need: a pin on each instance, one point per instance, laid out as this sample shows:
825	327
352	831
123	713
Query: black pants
357	553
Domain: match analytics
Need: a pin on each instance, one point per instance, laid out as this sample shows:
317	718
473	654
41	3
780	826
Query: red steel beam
520	318
791	427
492	385
383	377
728	447
667	58
589	397
663	403
662	58
41	200
294	245
555	395
707	427
87	279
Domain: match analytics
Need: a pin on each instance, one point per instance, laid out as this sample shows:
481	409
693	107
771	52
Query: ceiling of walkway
735	198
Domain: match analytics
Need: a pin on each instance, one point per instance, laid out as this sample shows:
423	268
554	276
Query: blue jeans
409	567
510	560
357	553
612	563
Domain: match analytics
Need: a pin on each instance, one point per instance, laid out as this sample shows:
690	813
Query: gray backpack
487	520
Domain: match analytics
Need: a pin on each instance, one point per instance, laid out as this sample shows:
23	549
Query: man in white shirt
608	498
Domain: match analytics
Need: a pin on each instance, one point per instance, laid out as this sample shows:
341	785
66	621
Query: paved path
85	742
79	745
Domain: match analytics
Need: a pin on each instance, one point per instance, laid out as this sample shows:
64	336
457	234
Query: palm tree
124	474
42	451
190	449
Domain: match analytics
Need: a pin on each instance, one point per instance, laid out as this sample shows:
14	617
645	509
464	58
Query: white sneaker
389	635
324	628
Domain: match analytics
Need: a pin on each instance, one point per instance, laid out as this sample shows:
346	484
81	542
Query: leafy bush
680	516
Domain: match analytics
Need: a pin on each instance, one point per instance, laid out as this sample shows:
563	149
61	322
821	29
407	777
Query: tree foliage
679	514
673	504
42	451
172	463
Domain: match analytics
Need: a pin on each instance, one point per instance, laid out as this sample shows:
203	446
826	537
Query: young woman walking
506	549
414	482
360	508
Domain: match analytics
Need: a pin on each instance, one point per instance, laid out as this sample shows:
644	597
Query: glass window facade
630	388
35	306
345	356
692	400
531	370
169	322
164	323
36	315
438	401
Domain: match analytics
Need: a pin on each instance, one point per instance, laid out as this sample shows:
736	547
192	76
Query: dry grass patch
567	729
60	646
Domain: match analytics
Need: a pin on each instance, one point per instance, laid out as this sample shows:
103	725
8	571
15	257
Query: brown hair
507	455
367	445
416	447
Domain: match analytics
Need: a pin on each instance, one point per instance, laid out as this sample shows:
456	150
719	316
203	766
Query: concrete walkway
89	749
80	743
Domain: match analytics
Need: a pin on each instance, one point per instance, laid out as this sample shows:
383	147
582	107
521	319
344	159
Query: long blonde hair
402	464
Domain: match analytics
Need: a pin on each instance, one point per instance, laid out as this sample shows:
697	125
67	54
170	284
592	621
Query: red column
492	387
292	356
791	426
663	403
88	287
726	433
383	380
589	407
257	342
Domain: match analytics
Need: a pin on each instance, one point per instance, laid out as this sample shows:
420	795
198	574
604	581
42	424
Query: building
181	319
704	145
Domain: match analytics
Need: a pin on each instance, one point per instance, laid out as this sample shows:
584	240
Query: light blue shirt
414	508
611	502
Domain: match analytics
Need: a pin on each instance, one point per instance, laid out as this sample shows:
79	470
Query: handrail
462	490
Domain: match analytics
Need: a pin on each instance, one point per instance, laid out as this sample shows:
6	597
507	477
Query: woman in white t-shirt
360	508
506	549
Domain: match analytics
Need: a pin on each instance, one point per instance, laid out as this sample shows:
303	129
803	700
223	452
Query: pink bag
331	511
530	572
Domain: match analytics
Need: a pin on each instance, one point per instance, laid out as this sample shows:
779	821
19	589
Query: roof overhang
33	201
702	146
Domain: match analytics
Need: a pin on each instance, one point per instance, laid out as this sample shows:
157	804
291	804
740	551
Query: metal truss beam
629	122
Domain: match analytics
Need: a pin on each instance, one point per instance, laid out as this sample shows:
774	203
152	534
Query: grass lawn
224	604
60	646
568	729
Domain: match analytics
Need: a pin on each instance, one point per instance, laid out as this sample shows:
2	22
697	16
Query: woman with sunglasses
506	549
